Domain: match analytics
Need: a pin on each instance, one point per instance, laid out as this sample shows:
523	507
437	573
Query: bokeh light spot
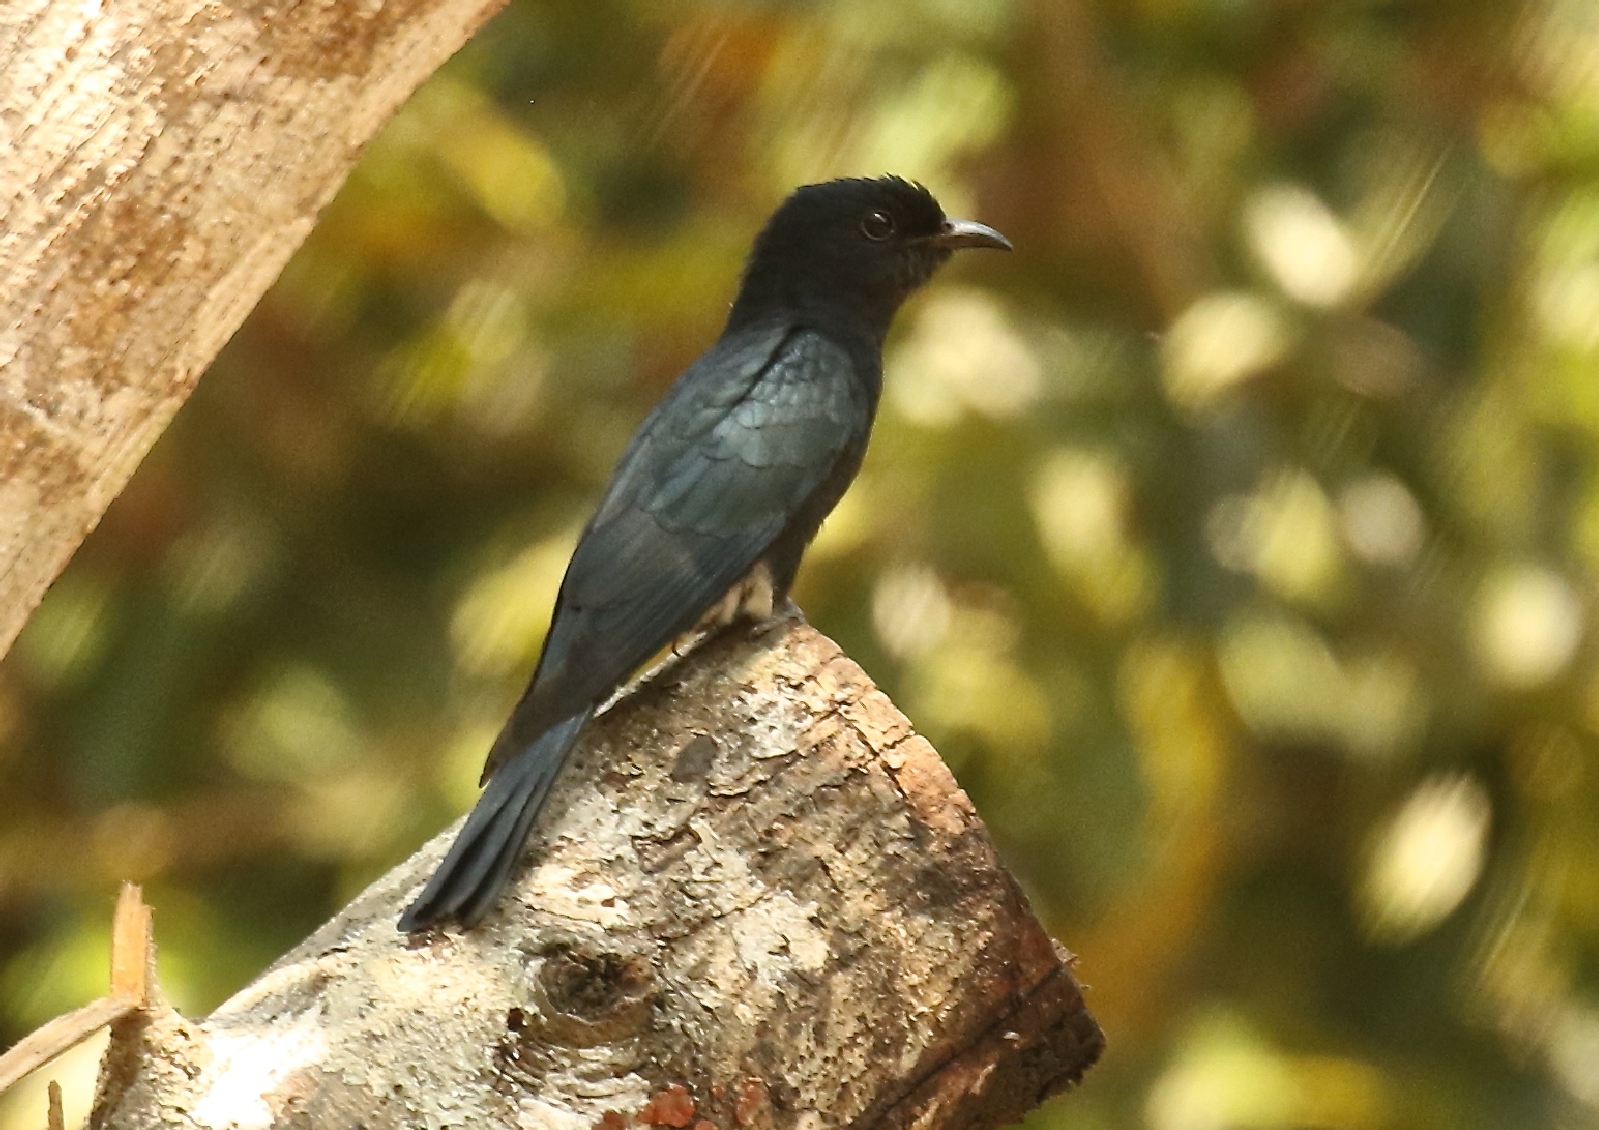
1426	859
1302	244
962	356
1222	339
1528	624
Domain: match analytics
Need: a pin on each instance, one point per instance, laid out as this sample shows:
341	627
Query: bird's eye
877	226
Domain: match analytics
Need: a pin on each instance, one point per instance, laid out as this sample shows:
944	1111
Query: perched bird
718	492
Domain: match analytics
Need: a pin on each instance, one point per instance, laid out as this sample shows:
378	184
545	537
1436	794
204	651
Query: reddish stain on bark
751	1099
671	1107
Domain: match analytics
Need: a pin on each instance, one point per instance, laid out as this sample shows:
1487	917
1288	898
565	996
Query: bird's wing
715	474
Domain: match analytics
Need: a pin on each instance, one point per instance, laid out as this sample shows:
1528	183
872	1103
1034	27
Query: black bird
719	490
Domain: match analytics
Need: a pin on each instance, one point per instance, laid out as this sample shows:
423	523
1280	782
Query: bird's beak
956	234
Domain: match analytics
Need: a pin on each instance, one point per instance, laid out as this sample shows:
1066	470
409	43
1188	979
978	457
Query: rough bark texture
159	162
756	899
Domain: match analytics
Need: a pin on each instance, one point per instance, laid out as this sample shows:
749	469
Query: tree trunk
159	162
756	899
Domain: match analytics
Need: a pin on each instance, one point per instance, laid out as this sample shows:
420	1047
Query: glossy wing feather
714	477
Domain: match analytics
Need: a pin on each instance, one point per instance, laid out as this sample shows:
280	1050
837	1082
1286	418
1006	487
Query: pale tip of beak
958	234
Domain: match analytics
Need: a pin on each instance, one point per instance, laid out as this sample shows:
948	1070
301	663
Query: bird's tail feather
468	882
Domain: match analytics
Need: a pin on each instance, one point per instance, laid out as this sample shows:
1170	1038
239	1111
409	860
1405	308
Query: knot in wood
588	994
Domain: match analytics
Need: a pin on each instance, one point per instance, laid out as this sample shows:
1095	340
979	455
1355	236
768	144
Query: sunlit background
1235	540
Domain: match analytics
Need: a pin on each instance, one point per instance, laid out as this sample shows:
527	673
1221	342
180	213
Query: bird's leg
751	597
722	612
755	602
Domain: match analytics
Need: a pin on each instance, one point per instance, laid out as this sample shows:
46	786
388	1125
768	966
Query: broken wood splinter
132	974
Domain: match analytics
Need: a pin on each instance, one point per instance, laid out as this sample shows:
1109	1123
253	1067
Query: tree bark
756	899
159	162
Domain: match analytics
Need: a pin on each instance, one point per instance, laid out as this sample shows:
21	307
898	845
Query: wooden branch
757	899
159	162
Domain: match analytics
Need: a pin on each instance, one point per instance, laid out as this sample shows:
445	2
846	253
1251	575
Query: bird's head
860	245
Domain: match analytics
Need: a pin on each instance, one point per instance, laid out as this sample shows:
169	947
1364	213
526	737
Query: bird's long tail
479	863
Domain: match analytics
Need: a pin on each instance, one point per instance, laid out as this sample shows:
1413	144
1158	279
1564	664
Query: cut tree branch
756	899
159	162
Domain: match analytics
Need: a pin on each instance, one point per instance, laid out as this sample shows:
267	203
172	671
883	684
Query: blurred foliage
1236	539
